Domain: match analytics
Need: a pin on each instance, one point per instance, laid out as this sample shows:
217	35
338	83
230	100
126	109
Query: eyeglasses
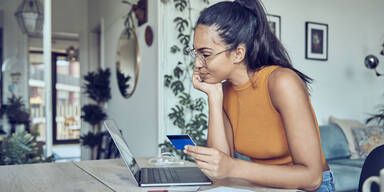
203	59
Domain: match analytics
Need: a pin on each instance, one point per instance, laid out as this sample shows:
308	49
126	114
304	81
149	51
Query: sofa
336	150
337	154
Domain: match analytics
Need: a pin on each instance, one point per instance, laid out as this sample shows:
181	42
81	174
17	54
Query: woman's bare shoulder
284	78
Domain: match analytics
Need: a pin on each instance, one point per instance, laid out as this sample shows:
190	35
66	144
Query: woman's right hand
210	89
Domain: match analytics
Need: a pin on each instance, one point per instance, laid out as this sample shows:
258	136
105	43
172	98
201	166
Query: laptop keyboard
160	175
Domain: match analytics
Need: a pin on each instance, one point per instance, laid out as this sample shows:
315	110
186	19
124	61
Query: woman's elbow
314	183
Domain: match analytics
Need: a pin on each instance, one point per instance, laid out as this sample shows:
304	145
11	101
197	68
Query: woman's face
209	46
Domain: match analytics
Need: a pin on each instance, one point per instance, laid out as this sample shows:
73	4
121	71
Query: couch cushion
333	142
351	162
346	126
368	139
346	177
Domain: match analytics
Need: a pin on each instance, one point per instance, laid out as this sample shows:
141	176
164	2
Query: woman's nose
198	63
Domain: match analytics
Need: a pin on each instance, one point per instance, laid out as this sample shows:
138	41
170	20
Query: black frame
54	81
279	23
307	39
53	95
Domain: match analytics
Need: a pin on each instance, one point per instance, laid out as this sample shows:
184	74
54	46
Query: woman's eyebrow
202	48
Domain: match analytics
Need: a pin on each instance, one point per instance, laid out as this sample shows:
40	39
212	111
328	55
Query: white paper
185	189
227	189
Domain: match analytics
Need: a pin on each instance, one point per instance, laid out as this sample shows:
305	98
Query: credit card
179	141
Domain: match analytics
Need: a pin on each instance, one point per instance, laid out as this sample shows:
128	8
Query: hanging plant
188	113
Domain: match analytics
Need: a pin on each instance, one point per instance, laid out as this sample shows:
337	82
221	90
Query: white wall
343	87
14	54
168	37
138	115
69	16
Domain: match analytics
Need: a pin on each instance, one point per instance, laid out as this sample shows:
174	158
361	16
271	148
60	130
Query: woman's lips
203	75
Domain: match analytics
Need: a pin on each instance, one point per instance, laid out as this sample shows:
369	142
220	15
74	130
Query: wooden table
94	176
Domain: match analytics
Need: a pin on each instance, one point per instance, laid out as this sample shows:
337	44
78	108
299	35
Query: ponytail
245	22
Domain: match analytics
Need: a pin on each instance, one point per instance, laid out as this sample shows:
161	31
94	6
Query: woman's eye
205	55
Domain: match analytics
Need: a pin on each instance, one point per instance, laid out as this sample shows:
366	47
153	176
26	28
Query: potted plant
16	113
97	88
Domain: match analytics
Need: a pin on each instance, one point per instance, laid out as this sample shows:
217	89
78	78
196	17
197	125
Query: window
65	96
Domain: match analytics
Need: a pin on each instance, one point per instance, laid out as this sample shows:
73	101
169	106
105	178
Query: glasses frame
192	52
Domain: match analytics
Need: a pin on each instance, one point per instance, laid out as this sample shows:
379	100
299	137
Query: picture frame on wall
275	25
1	72
316	41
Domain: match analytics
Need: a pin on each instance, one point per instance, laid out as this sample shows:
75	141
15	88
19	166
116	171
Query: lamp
29	15
73	54
371	62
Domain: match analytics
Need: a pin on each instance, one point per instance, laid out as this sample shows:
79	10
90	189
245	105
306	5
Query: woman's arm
290	98
220	134
219	128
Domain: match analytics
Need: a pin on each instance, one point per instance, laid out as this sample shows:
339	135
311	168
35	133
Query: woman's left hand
211	161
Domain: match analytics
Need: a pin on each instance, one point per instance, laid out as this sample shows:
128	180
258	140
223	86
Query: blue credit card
179	141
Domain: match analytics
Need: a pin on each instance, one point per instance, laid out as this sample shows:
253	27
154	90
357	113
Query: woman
262	110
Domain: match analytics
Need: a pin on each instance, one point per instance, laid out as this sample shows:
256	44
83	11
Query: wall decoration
148	35
316	41
1	69
141	12
275	25
127	63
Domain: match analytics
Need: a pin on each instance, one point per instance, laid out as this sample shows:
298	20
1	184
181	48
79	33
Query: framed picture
1	75
316	41
275	25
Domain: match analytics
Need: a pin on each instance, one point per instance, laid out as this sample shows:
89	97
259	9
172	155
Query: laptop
159	176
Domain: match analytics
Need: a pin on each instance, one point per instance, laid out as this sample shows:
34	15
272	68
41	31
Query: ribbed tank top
258	128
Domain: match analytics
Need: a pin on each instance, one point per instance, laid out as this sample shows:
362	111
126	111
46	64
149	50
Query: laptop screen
125	153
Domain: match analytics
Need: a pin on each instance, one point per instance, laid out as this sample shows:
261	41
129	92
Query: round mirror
127	62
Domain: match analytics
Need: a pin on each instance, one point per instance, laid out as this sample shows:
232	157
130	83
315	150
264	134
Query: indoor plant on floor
20	146
98	90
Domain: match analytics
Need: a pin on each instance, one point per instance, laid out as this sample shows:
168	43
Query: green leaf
175	49
177	87
167	80
184	39
181	24
93	114
178	72
185	99
180	4
19	148
198	104
177	115
97	85
206	1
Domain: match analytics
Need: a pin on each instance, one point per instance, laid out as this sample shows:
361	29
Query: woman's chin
211	80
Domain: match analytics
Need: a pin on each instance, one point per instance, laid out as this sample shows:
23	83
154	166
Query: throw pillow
368	139
346	125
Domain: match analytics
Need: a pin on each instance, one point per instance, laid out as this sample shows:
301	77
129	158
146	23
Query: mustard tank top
258	129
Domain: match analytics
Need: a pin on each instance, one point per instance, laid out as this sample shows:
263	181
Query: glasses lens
192	52
197	56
